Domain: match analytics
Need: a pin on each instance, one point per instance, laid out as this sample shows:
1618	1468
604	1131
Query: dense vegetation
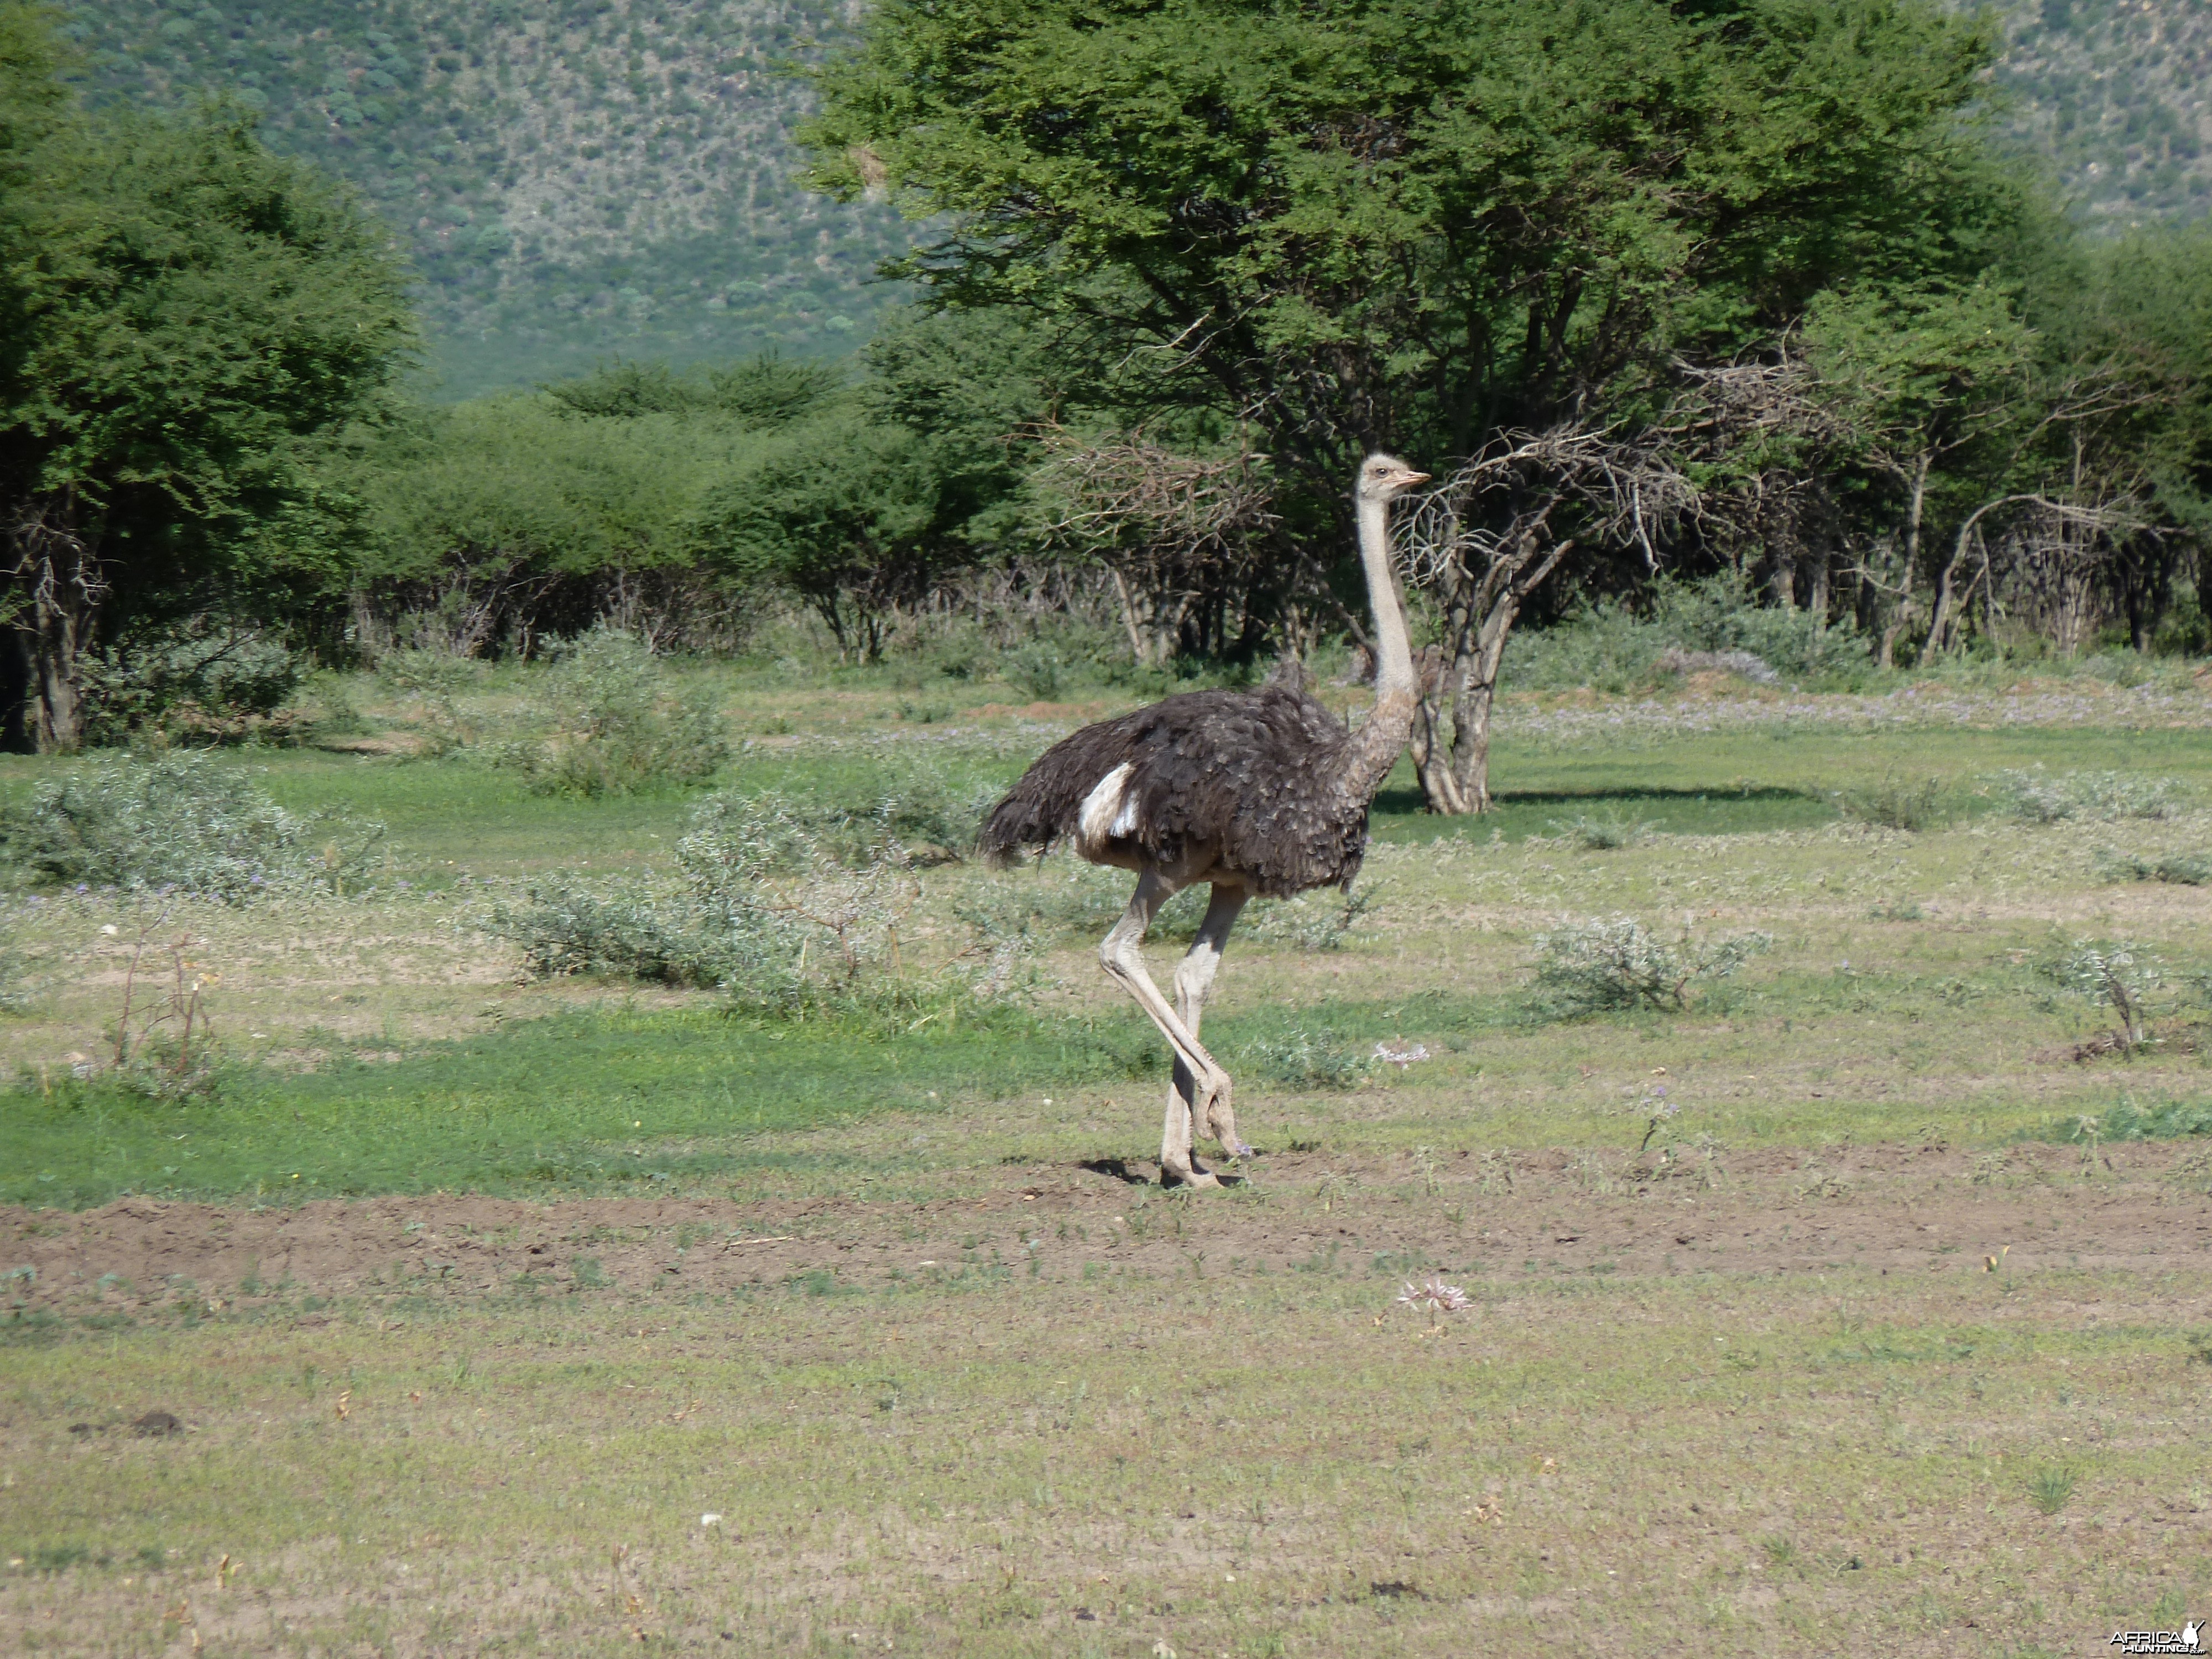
1730	321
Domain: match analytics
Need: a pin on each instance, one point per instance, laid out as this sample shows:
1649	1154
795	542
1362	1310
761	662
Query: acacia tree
1407	224
193	317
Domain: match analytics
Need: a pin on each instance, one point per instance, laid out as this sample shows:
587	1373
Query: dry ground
1774	1400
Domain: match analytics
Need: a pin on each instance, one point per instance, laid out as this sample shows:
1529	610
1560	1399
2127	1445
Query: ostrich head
1383	478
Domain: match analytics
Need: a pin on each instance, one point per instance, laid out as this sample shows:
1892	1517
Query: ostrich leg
1193	979
1121	956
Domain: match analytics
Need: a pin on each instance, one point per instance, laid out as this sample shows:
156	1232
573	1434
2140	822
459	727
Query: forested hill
2119	95
574	178
582	178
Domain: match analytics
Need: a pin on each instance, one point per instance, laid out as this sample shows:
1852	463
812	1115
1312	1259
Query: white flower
710	1519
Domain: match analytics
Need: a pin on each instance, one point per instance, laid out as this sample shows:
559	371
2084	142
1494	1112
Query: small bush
182	820
910	808
435	679
2181	869
565	929
775	941
1685	628
2119	974
1037	670
1603	834
2175	1121
1306	1060
2038	797
1311	922
193	682
1896	803
1613	962
619	727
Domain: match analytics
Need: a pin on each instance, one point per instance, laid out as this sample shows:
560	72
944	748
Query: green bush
2181	869
2038	797
1300	1059
1616	963
1896	803
2117	974
619	725
1683	627
767	912
183	821
193	682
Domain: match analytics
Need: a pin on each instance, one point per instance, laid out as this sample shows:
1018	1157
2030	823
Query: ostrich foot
1187	1175
1214	1118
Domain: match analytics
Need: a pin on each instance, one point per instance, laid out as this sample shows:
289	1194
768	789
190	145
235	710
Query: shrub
2181	869
1311	922
773	941
2036	797
1589	966
1896	803
1719	613
1606	834
1712	624
182	820
909	807
565	929
434	678
194	682
620	728
1037	670
2116	973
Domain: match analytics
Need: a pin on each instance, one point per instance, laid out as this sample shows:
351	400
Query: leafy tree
1932	388
1401	223
508	518
196	319
844	511
1411	224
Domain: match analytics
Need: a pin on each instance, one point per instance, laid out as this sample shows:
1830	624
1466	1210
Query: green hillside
576	179
579	178
2118	94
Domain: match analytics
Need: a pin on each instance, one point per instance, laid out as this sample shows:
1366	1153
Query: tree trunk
1478	696
1915	508
1457	782
60	583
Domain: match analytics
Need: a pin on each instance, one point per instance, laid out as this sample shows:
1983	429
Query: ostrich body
1258	793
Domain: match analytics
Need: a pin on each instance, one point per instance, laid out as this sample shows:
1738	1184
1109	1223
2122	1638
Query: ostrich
1260	794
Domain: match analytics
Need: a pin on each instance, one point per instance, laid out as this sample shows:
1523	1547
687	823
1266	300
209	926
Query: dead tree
1173	531
1481	544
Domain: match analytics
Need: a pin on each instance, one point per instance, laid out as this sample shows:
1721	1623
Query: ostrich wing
1253	776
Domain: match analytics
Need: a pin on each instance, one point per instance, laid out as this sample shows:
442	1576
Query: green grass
608	1100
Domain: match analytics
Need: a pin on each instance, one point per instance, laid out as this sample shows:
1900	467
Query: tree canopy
1406	223
194	316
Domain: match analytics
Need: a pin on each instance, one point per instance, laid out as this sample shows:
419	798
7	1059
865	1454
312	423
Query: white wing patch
1107	813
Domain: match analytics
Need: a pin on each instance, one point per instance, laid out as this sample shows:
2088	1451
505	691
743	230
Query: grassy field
1839	1307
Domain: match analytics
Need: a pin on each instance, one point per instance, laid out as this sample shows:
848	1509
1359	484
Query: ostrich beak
1407	480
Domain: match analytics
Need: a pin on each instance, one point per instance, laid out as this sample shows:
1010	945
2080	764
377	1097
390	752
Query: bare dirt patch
1890	1209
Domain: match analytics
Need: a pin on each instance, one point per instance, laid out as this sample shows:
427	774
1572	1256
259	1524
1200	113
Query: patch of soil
382	743
1886	1209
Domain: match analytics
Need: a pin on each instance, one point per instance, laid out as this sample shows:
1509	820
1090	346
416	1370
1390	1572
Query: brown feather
1252	775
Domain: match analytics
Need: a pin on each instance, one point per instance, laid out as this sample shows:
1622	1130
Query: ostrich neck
1375	747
